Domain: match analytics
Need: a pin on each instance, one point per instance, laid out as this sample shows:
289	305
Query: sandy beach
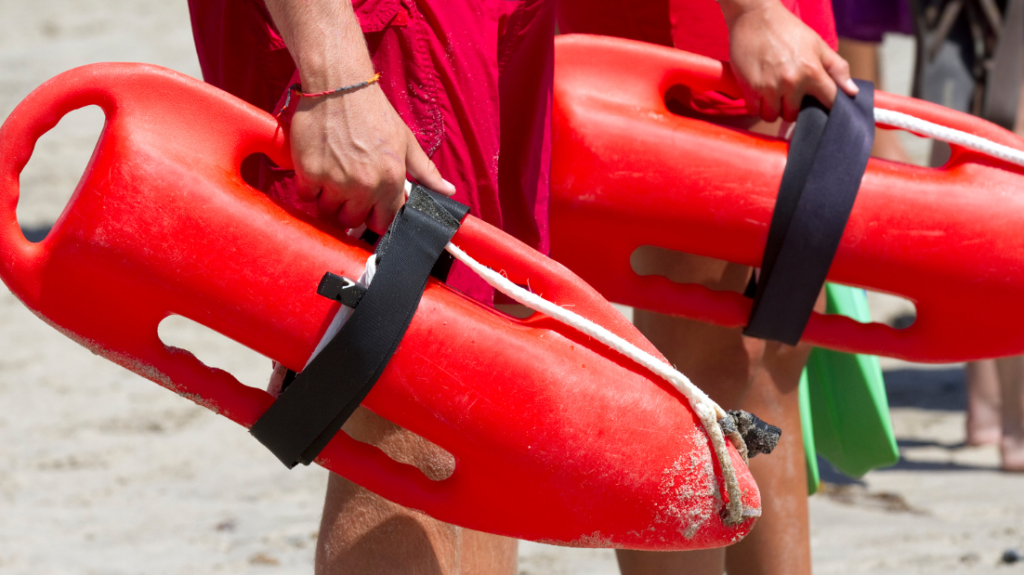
104	472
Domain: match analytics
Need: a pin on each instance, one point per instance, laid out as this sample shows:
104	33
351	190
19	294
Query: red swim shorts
469	77
693	25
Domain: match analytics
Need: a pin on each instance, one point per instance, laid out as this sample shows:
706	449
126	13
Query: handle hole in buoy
679	100
891	145
512	309
895	311
252	369
216	350
51	176
400	444
257	167
685	268
719	275
910	149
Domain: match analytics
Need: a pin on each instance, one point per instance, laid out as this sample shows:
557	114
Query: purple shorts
867	20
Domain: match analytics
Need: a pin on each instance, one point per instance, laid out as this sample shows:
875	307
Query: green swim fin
807	427
849	412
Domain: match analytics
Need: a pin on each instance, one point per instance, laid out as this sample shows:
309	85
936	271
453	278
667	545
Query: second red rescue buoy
627	173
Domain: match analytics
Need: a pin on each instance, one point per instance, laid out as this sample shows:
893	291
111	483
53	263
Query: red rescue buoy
626	172
556	438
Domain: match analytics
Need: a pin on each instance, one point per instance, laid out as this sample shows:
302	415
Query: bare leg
709	562
1011	385
780	542
983	425
863	60
738	372
486	554
364	534
1011	380
1018	125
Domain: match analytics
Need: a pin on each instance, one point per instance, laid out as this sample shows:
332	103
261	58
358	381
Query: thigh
363	533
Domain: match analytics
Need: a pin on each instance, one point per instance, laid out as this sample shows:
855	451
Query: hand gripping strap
318	402
827	158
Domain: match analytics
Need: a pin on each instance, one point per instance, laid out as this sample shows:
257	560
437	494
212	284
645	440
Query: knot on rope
758	435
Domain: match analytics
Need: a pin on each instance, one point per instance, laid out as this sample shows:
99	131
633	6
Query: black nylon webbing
320	399
827	158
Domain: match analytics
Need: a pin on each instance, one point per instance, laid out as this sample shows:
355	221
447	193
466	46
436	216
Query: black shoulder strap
320	399
827	158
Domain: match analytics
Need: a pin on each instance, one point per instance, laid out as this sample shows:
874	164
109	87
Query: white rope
949	135
706	409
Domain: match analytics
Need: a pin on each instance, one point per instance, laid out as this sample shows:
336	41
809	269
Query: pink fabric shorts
470	78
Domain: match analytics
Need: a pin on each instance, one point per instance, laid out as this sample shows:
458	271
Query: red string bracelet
297	89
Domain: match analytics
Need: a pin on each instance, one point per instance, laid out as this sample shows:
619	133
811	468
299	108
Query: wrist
324	66
325	77
309	99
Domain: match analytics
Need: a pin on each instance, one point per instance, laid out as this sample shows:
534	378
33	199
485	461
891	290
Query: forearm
732	9
325	41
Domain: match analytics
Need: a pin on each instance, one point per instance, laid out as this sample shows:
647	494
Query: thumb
419	166
839	70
